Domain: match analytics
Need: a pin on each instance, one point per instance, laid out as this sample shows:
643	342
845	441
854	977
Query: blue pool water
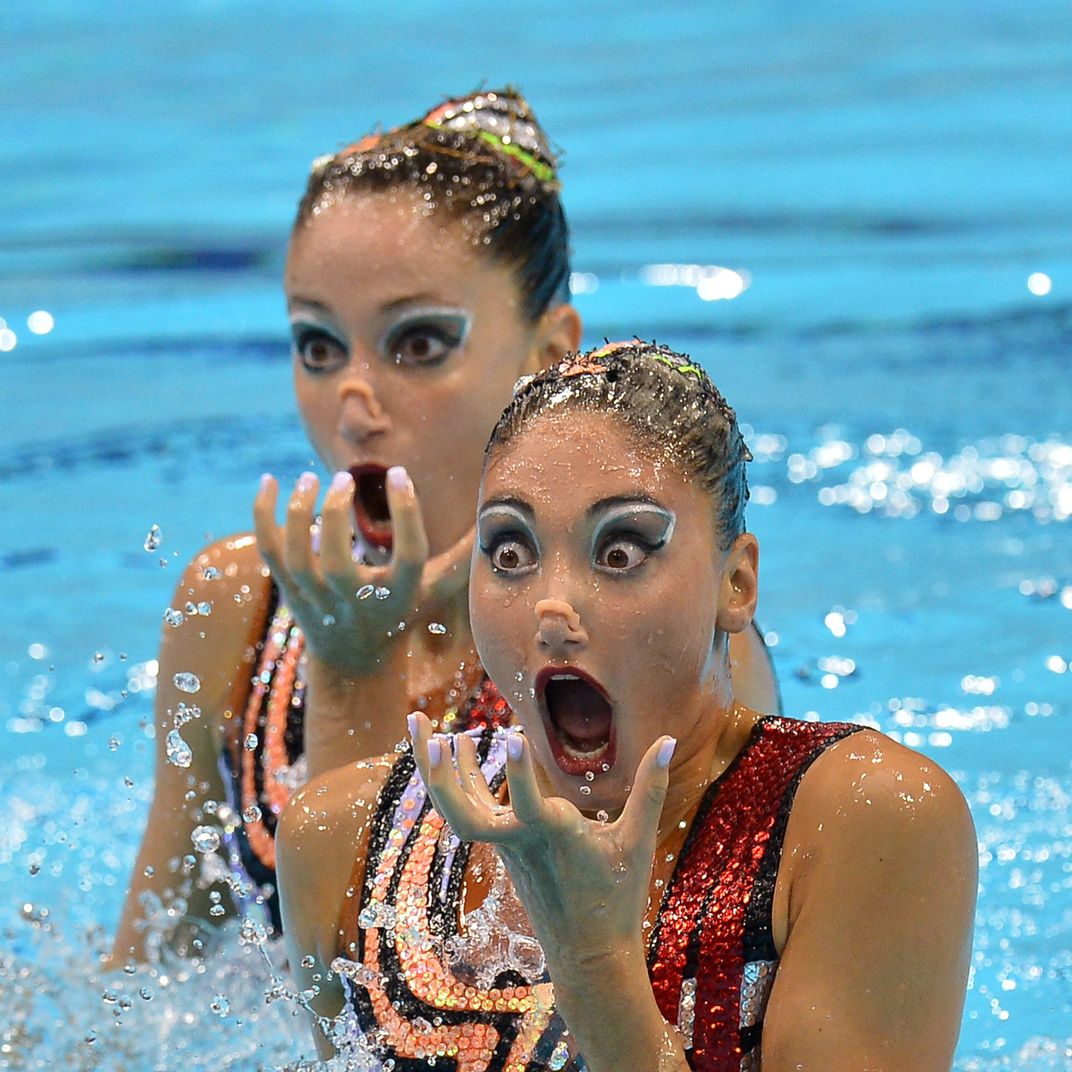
885	177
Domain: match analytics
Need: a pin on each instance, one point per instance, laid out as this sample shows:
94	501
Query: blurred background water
858	216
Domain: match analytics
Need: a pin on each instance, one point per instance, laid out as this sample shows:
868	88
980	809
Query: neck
702	759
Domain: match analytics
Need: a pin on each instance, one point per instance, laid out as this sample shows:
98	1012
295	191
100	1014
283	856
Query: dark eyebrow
639	499
414	299
507	500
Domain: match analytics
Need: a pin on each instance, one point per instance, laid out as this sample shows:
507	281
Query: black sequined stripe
758	932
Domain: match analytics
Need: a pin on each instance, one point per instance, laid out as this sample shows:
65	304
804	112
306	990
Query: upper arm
217	648
322	833
882	859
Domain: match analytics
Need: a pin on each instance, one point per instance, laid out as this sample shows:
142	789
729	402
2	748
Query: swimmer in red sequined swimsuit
646	874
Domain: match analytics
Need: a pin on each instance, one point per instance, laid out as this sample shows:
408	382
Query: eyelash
306	335
645	546
448	334
497	542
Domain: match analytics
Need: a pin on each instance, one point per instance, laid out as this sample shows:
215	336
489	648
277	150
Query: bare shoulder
867	779
873	913
323	829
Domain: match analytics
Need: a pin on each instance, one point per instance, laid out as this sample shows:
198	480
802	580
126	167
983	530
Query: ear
558	332
739	587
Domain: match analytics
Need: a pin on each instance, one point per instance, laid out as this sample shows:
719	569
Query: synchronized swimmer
605	846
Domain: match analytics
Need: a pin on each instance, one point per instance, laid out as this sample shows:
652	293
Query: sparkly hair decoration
663	397
500	119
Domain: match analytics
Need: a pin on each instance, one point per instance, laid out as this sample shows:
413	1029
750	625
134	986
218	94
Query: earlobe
739	587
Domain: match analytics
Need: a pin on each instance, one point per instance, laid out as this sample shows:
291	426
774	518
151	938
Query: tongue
579	713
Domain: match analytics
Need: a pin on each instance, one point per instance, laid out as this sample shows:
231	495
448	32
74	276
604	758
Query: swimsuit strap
712	955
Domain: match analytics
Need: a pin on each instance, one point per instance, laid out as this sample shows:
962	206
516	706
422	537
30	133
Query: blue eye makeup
424	338
506	539
318	349
628	533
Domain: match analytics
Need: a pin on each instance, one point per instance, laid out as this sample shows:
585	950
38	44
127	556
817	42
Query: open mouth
579	720
370	505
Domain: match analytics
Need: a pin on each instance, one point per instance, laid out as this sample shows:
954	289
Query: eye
511	555
318	351
622	553
424	343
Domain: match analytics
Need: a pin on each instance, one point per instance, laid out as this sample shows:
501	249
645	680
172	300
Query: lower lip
581	766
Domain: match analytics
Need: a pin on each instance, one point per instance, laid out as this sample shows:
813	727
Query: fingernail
398	478
306	481
515	744
665	753
266	481
435	752
411	722
341	481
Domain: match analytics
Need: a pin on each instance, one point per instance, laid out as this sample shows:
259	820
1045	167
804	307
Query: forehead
563	462
388	244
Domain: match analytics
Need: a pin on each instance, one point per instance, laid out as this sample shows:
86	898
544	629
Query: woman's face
407	343
595	600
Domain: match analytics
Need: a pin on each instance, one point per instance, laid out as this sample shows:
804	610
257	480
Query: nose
360	415
558	626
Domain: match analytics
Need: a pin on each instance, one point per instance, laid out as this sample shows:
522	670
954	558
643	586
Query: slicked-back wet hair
509	209
664	399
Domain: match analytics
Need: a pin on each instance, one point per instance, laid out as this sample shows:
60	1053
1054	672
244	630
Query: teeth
565	677
576	753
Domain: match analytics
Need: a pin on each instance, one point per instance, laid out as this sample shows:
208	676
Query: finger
297	538
525	796
639	821
448	573
432	753
269	544
337	535
472	778
410	544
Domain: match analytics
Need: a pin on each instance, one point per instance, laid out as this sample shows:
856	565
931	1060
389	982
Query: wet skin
407	343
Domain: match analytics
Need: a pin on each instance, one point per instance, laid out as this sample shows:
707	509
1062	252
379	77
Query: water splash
185	681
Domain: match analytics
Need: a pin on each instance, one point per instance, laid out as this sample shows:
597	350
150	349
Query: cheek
503	625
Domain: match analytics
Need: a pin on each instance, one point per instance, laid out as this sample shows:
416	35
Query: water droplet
114	743
153	539
252	933
328	620
217	910
91	1037
220	1005
179	753
210	573
382	593
602	816
205	838
35	868
252	813
204	608
436	628
251	742
109	997
589	775
585	790
186	682
174	617
365	591
146	993
191	610
605	767
308	961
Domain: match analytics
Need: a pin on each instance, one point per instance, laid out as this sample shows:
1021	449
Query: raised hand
351	612
584	882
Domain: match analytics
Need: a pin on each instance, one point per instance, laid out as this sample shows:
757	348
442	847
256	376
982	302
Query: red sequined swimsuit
263	761
712	957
